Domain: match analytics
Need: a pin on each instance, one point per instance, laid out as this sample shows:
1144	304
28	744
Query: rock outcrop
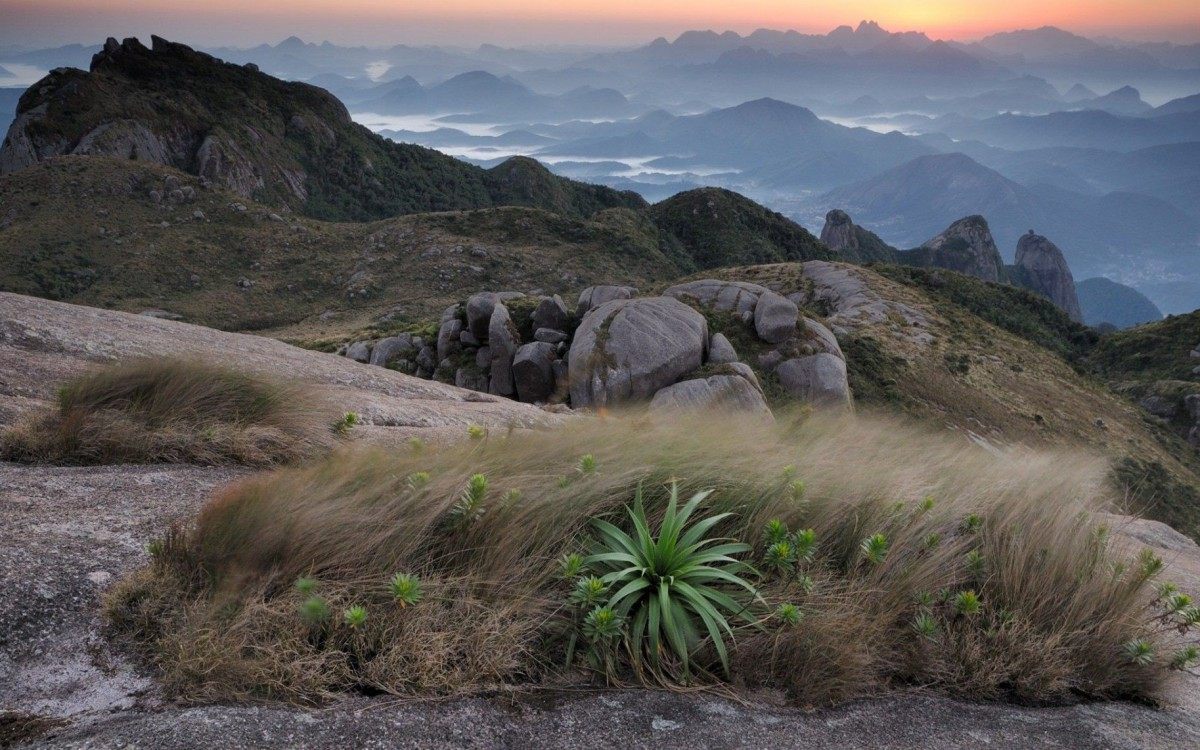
655	350
965	246
280	142
594	296
1041	267
626	350
732	391
851	241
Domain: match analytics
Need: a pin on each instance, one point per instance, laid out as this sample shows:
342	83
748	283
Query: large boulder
392	348
479	311
1042	268
720	351
822	337
627	350
533	371
595	296
730	392
359	351
449	340
504	340
775	318
817	378
725	296
551	313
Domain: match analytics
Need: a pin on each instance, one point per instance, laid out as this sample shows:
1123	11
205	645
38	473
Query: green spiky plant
349	421
469	507
571	564
314	611
355	616
406	589
874	548
417	480
789	614
587	464
671	584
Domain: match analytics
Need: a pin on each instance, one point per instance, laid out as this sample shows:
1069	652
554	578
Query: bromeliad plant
670	585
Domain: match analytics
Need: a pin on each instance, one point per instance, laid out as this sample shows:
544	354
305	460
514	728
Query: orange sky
573	21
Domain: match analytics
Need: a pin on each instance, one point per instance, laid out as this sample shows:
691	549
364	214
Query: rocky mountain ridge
967	247
289	144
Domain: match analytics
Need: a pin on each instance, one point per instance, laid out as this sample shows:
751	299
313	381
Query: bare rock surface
852	303
1040	266
627	349
732	392
44	342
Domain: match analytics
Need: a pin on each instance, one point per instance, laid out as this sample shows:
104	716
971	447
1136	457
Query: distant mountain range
1105	301
1118	234
1085	159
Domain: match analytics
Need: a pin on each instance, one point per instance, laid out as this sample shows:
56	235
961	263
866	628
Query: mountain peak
870	28
853	243
1041	267
965	246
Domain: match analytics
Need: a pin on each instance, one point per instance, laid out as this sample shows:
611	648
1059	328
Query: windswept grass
929	562
173	411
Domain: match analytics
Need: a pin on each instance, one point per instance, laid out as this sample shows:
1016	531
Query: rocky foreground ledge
68	533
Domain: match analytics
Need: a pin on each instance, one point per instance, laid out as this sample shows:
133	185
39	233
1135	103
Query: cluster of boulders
172	191
802	353
618	348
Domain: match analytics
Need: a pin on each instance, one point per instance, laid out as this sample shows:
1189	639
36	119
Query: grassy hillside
1018	311
721	228
995	370
282	143
85	230
1151	351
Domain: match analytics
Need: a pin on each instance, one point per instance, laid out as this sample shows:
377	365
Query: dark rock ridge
1041	267
965	246
841	235
285	143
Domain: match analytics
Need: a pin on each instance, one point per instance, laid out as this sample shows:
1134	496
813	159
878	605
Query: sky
549	22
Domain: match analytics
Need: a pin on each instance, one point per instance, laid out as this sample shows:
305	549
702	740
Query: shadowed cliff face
843	236
1040	266
965	246
283	143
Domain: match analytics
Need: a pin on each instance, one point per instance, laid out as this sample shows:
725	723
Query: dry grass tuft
220	613
173	411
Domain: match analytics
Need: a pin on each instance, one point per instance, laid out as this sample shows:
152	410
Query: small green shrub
406	589
355	616
672	584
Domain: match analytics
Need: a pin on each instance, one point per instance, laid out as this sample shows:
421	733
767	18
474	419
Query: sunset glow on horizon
576	22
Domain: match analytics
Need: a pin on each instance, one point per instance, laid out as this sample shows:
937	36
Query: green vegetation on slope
1018	311
870	566
1152	351
282	143
86	230
721	228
